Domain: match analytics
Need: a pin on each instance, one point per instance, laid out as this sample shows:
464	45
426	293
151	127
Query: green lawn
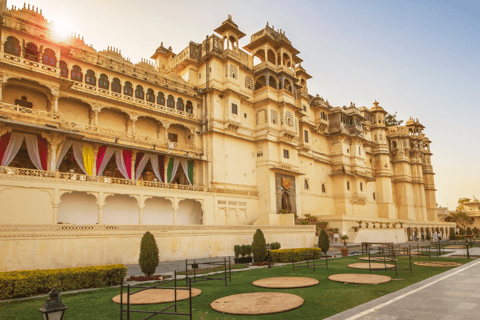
321	301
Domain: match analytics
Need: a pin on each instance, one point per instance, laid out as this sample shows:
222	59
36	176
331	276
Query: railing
128	135
143	103
26	63
18	110
74	177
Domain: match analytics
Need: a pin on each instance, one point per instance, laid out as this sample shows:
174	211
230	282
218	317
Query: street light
53	309
268	255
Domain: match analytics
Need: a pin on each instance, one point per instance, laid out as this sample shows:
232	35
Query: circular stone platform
285	282
377	259
257	303
359	278
374	266
153	296
455	247
442	264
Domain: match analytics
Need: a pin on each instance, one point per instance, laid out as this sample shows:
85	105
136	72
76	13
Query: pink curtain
4	140
104	160
43	150
127	157
100	156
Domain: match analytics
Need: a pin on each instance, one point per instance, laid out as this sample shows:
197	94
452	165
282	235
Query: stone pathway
452	295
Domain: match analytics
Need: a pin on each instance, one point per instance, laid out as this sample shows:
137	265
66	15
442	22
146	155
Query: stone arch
120	209
258	56
150	127
158	211
113	118
79	208
222	217
189	212
36	95
260	82
273	82
232	217
242	218
72	109
182	133
271	56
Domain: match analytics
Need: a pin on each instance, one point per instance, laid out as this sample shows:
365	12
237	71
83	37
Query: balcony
11	172
131	100
275	68
31	65
19	111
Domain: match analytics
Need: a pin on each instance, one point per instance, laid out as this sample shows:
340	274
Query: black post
225	265
293	261
230	268
194	273
175	282
468	251
128	302
190	294
121	301
186	273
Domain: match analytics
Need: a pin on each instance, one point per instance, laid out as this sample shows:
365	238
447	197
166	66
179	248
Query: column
283	81
134	159
175	208
133	118
267	78
55	95
100	203
166	125
1	89
96	108
52	156
55	213
100	214
140	216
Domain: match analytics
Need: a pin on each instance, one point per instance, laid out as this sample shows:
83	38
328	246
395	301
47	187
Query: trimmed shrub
323	242
20	284
243	250
287	255
452	235
469	231
148	254
249	249
275	245
237	250
259	246
475	230
462	232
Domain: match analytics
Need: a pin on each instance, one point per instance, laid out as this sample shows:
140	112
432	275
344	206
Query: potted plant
401	224
344	249
355	228
381	224
394	225
366	225
296	218
387	224
323	224
317	230
373	224
282	212
359	224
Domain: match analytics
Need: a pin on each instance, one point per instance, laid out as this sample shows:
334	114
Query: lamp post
53	309
268	255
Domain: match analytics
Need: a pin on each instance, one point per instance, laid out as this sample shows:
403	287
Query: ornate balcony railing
82	178
26	63
35	113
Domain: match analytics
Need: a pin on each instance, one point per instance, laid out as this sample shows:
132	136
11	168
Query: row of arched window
31	52
116	86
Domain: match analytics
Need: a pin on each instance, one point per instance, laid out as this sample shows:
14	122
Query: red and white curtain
123	159
10	144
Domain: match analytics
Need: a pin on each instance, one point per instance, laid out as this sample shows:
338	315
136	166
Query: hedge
286	255
20	284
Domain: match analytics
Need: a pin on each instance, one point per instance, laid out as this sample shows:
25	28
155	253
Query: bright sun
62	26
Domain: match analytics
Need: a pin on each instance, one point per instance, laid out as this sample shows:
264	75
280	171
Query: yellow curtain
88	158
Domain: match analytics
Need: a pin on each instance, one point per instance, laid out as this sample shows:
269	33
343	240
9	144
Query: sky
420	59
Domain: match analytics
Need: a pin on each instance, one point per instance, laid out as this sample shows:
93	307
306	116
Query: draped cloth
172	169
14	145
78	154
104	155
88	159
123	159
121	165
4	141
157	165
32	147
188	169
65	147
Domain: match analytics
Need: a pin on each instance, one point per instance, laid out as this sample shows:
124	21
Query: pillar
100	214
166	125
134	159
55	213
174	216
55	95
1	88
140	216
267	78
52	156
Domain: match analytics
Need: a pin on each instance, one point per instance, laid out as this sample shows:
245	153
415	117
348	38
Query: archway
286	202
189	212
158	211
78	208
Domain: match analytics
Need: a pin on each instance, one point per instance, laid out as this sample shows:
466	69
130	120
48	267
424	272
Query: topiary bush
243	250
259	246
237	250
249	249
287	255
475	230
452	235
469	231
323	242
275	246
148	254
462	232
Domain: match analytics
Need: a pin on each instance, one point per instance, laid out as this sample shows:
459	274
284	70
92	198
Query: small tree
461	232
323	242
452	234
475	230
237	250
243	250
148	254
460	216
469	231
259	246
391	120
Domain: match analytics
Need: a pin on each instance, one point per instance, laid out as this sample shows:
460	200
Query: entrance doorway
286	202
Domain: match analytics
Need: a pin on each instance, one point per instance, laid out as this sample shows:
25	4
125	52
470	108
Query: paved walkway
452	295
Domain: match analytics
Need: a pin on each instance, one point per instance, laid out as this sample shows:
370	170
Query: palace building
200	147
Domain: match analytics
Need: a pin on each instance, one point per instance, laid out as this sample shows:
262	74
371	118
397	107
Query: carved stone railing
127	135
139	102
76	177
22	111
26	63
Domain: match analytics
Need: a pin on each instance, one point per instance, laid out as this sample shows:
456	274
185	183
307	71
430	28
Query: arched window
348	185
323	188
31	51
161	99
49	58
76	74
90	78
305	184
150	96
170	102
180	104
63	69
189	107
139	92
361	186
116	86
128	89
12	46
103	81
